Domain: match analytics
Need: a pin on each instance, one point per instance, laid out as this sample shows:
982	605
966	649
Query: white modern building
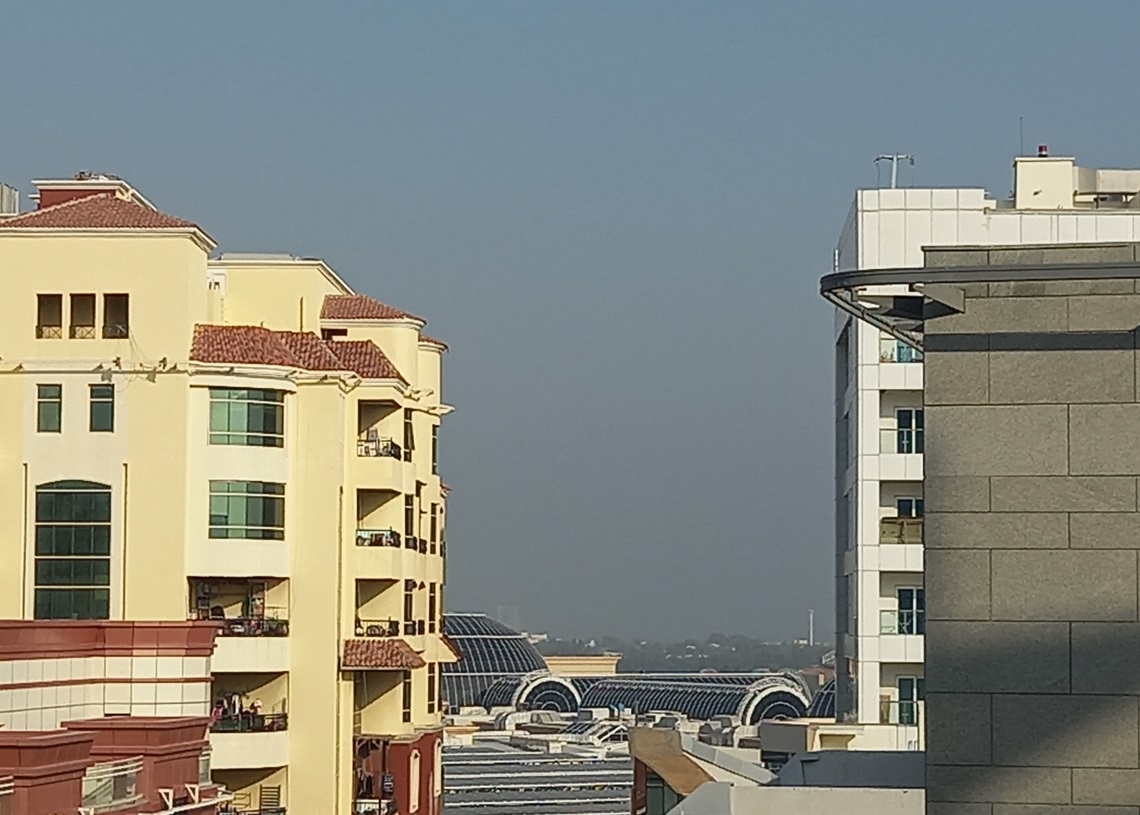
880	599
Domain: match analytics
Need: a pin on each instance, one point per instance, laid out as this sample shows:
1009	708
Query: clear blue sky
616	213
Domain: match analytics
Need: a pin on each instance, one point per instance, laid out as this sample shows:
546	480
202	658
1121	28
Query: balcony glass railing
112	784
251	723
378	448
904	712
900	530
377	628
377	537
373	806
902	622
892	350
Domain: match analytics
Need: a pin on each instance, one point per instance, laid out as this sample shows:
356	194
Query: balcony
251	723
112	784
248	749
378	537
377	628
900	531
908	713
902	622
892	350
379	448
373	806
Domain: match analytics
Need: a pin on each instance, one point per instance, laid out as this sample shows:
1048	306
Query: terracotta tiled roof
365	359
433	341
100	211
241	345
311	352
254	345
360	307
390	653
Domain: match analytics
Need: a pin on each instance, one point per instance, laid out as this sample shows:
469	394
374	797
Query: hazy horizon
616	214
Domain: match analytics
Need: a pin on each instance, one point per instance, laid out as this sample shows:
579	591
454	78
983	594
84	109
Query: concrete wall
724	799
1032	538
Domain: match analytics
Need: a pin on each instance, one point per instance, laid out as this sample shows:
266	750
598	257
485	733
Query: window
102	408
253	510
409	607
912	690
912	610
409	516
82	317
49	408
909	433
905	353
909	507
49	316
116	316
407	694
409	435
435	449
73	551
431	687
434	525
255	418
431	608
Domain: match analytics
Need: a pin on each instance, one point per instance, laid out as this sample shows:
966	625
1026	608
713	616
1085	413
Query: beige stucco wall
158	464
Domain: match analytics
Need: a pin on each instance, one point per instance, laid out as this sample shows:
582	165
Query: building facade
104	716
880	415
1032	525
242	439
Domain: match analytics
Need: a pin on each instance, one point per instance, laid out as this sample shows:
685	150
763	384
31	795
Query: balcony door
912	690
912	610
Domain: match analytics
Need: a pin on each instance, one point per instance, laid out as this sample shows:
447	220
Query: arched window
73	551
414	782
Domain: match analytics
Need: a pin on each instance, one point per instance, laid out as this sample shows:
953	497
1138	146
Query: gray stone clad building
1032	528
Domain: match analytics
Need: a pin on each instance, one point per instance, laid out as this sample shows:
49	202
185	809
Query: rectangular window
82	317
912	690
73	551
102	408
434	526
409	516
254	418
431	608
49	316
409	607
407	700
116	316
254	510
905	353
49	408
409	435
909	507
909	432
912	610
431	671
435	449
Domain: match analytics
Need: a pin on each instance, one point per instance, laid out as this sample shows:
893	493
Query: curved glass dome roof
488	651
823	704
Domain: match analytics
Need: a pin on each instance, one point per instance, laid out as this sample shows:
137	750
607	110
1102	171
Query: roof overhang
197	235
899	301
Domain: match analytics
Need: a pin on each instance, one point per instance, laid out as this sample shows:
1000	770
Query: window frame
94	401
909	437
245	490
43	401
909	506
406	700
69	533
269	401
409	433
435	449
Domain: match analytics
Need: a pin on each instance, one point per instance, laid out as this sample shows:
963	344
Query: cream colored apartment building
240	438
879	408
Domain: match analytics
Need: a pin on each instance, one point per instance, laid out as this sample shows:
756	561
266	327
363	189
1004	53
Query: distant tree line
718	652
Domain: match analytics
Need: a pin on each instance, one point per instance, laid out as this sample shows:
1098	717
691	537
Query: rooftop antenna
894	160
